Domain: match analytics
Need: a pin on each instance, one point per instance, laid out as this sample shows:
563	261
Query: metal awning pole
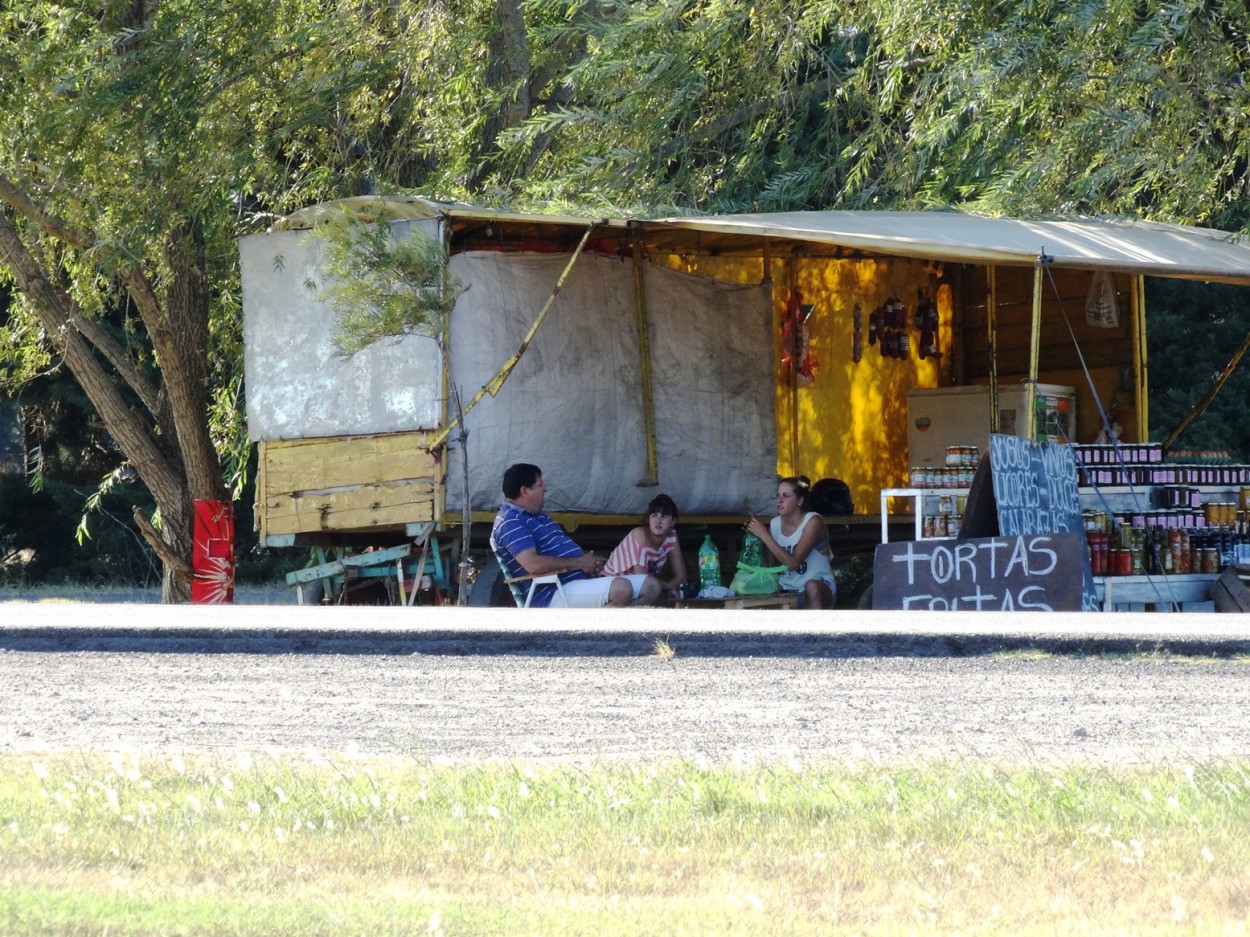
1141	371
991	325
1035	341
644	356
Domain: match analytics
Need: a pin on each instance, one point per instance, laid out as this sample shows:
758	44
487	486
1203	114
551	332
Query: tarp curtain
573	405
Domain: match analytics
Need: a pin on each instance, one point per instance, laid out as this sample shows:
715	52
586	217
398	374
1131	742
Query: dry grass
136	846
662	649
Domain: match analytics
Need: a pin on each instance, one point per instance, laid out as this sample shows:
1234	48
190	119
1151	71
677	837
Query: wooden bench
776	600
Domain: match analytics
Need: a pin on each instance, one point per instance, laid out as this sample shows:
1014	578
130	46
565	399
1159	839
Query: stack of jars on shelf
1144	543
948	519
1143	464
961	465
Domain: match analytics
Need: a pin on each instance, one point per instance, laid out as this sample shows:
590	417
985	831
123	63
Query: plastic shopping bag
755	580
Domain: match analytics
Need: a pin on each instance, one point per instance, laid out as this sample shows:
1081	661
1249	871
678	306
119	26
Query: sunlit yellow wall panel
851	421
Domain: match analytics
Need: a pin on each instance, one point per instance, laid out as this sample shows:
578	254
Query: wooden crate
346	484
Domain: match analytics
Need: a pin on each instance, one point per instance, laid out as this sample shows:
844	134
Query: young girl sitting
799	540
651	547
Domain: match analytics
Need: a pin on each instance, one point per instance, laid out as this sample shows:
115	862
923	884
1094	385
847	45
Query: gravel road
581	698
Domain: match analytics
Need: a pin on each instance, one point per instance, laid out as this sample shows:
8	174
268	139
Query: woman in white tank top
799	540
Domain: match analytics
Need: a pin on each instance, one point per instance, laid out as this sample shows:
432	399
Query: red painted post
212	553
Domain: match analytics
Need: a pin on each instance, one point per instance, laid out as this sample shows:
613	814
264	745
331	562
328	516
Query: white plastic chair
520	595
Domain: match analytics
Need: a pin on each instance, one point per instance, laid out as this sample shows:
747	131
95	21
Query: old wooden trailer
700	356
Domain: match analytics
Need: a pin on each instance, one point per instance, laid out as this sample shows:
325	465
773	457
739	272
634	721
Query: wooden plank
776	600
377	508
346	484
313	465
1050	359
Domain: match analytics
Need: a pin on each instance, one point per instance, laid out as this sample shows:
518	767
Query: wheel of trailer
489	590
314	593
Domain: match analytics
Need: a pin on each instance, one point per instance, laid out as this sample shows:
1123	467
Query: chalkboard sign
1035	572
1035	487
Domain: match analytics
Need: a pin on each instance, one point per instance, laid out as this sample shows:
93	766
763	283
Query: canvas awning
1145	248
1138	247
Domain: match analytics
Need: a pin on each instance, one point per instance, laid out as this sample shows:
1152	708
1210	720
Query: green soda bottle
752	551
709	564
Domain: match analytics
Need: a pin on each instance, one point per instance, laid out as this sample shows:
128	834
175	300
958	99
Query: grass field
127	845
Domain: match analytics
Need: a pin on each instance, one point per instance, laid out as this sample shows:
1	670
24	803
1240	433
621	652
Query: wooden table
1190	591
776	600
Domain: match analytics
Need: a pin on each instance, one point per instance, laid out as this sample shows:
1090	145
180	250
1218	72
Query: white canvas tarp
298	386
1124	245
574	403
1129	246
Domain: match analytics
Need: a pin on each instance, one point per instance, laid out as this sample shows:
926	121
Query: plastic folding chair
520	594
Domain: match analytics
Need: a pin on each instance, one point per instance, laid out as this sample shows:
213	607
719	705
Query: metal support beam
644	354
1035	342
991	325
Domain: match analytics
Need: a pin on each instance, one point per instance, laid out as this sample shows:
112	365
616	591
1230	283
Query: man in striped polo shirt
532	544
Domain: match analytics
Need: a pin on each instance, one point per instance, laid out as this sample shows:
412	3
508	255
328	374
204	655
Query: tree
1058	107
133	141
1194	329
1055	107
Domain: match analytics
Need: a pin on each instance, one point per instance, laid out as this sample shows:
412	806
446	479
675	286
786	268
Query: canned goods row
1137	551
941	525
1221	513
1212	514
959	456
1124	453
1165	474
1182	496
924	476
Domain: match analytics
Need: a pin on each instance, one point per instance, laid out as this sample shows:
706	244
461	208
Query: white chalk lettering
1026	603
1019	557
910	558
965	556
1034	572
992	547
1038	548
942	565
978	599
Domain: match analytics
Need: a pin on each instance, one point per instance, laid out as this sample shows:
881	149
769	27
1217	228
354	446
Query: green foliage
1193	329
1059	107
381	285
39	533
1037	108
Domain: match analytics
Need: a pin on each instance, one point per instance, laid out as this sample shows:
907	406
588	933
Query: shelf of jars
938	512
939	493
1149	516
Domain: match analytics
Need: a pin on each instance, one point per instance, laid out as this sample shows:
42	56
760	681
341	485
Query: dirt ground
577	698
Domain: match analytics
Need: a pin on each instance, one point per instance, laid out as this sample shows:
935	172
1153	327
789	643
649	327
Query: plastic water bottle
752	551
709	564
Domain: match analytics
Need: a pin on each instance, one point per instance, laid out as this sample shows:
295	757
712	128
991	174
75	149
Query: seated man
533	544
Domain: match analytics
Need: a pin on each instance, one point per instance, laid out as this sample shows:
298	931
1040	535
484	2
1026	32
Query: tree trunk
184	367
174	471
507	73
